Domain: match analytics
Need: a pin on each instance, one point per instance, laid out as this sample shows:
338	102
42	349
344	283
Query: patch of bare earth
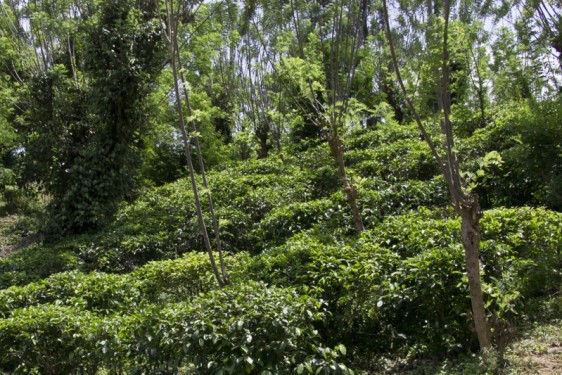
549	362
538	353
11	239
8	242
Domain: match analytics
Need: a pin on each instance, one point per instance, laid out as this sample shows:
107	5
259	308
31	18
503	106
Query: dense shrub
162	224
37	262
242	329
520	254
318	164
398	288
96	291
530	238
400	161
49	339
528	137
258	186
351	278
384	133
164	281
283	222
402	285
379	199
259	204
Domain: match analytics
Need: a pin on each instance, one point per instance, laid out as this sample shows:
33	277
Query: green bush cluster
382	200
37	262
283	222
384	133
243	329
400	161
399	288
402	285
171	280
528	138
259	204
162	224
530	238
379	300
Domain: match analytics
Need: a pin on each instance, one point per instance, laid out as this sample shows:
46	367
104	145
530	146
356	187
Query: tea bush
241	329
283	222
349	277
380	200
400	161
49	339
528	137
403	284
162	224
37	262
384	133
530	236
164	281
520	254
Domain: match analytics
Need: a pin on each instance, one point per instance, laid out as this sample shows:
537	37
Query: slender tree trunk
349	190
214	220
470	217
465	203
172	26
262	133
467	206
339	75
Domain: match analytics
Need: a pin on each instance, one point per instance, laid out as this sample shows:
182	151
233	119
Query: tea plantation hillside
307	294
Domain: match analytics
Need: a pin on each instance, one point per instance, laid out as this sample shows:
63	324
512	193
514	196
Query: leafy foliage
527	137
92	127
405	278
245	329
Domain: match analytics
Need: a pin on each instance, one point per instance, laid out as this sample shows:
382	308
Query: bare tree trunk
465	203
173	27
214	220
470	217
349	190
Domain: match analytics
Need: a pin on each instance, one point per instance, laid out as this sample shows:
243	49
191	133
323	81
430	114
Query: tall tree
88	67
173	13
544	19
320	73
464	202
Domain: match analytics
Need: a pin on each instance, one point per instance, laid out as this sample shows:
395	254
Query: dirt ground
538	353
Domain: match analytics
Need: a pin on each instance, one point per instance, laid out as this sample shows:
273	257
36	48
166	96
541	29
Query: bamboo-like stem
224	274
173	27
